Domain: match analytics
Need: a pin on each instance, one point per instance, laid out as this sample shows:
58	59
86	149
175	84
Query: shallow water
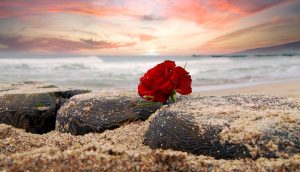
124	72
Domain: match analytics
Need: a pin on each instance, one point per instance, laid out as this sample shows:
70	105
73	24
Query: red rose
163	81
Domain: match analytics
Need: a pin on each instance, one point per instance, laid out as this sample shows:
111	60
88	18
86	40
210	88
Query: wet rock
97	112
229	127
32	105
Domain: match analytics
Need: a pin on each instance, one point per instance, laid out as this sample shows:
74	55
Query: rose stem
173	98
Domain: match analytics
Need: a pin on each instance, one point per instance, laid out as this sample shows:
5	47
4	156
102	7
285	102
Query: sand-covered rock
99	111
229	127
120	149
32	105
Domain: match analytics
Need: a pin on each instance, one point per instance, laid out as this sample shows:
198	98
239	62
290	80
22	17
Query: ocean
98	72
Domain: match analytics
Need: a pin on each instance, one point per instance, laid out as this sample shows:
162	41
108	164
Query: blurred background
111	44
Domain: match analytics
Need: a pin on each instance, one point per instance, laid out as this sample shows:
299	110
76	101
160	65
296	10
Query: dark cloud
86	32
151	18
20	43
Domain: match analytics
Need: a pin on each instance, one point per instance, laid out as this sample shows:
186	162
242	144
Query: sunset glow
158	27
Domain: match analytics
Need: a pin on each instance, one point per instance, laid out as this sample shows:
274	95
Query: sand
122	149
280	88
114	150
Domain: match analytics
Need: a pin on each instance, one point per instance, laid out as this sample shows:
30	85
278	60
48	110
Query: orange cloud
145	37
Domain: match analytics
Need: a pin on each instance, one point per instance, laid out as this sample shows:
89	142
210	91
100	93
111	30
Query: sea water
97	72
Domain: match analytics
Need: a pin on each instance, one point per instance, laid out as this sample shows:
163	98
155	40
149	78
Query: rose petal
168	87
160	97
169	64
184	85
143	90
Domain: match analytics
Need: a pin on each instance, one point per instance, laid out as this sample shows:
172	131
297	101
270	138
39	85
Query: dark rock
32	105
229	127
97	112
66	94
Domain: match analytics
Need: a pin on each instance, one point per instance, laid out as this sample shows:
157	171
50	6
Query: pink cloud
18	8
216	12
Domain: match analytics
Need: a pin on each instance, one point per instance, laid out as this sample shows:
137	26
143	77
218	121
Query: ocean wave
126	71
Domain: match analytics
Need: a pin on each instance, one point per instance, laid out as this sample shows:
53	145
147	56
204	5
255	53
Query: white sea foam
97	72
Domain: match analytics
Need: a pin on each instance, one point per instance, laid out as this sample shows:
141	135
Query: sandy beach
123	148
281	88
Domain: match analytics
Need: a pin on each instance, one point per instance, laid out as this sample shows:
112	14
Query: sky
146	27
